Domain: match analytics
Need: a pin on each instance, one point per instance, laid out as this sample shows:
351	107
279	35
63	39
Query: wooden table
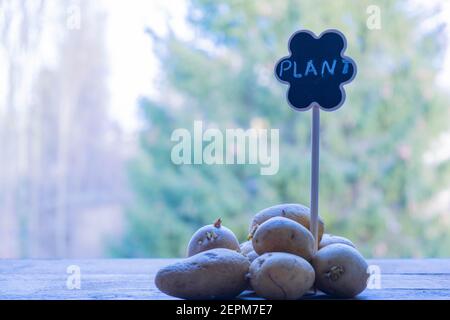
133	279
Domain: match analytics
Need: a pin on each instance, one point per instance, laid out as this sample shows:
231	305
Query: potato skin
252	255
293	211
341	271
283	235
213	274
328	239
246	247
211	237
281	276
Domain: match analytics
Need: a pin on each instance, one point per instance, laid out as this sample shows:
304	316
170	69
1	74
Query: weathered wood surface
134	279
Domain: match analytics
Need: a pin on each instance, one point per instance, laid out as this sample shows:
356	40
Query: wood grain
134	279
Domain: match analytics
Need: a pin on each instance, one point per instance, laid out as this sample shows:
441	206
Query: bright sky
133	64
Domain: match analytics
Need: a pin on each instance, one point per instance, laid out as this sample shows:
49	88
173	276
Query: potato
283	235
252	255
280	275
213	274
341	271
246	247
328	239
211	237
293	211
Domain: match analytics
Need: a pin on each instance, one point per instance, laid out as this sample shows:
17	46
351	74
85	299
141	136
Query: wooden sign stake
315	141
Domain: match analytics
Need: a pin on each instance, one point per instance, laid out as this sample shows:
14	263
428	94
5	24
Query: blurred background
90	92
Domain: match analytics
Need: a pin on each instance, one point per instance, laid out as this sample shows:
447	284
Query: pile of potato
279	261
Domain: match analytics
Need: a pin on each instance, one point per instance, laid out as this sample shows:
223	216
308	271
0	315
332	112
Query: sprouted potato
211	237
213	274
293	211
281	276
341	271
328	239
283	235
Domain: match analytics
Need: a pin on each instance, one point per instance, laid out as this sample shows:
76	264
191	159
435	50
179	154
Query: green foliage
374	186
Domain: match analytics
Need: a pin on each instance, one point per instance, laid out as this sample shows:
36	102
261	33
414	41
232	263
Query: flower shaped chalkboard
316	70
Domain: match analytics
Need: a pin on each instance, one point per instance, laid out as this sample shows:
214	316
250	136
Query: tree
374	184
79	165
60	154
20	31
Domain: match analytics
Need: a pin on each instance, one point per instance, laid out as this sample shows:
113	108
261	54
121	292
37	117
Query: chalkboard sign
316	70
